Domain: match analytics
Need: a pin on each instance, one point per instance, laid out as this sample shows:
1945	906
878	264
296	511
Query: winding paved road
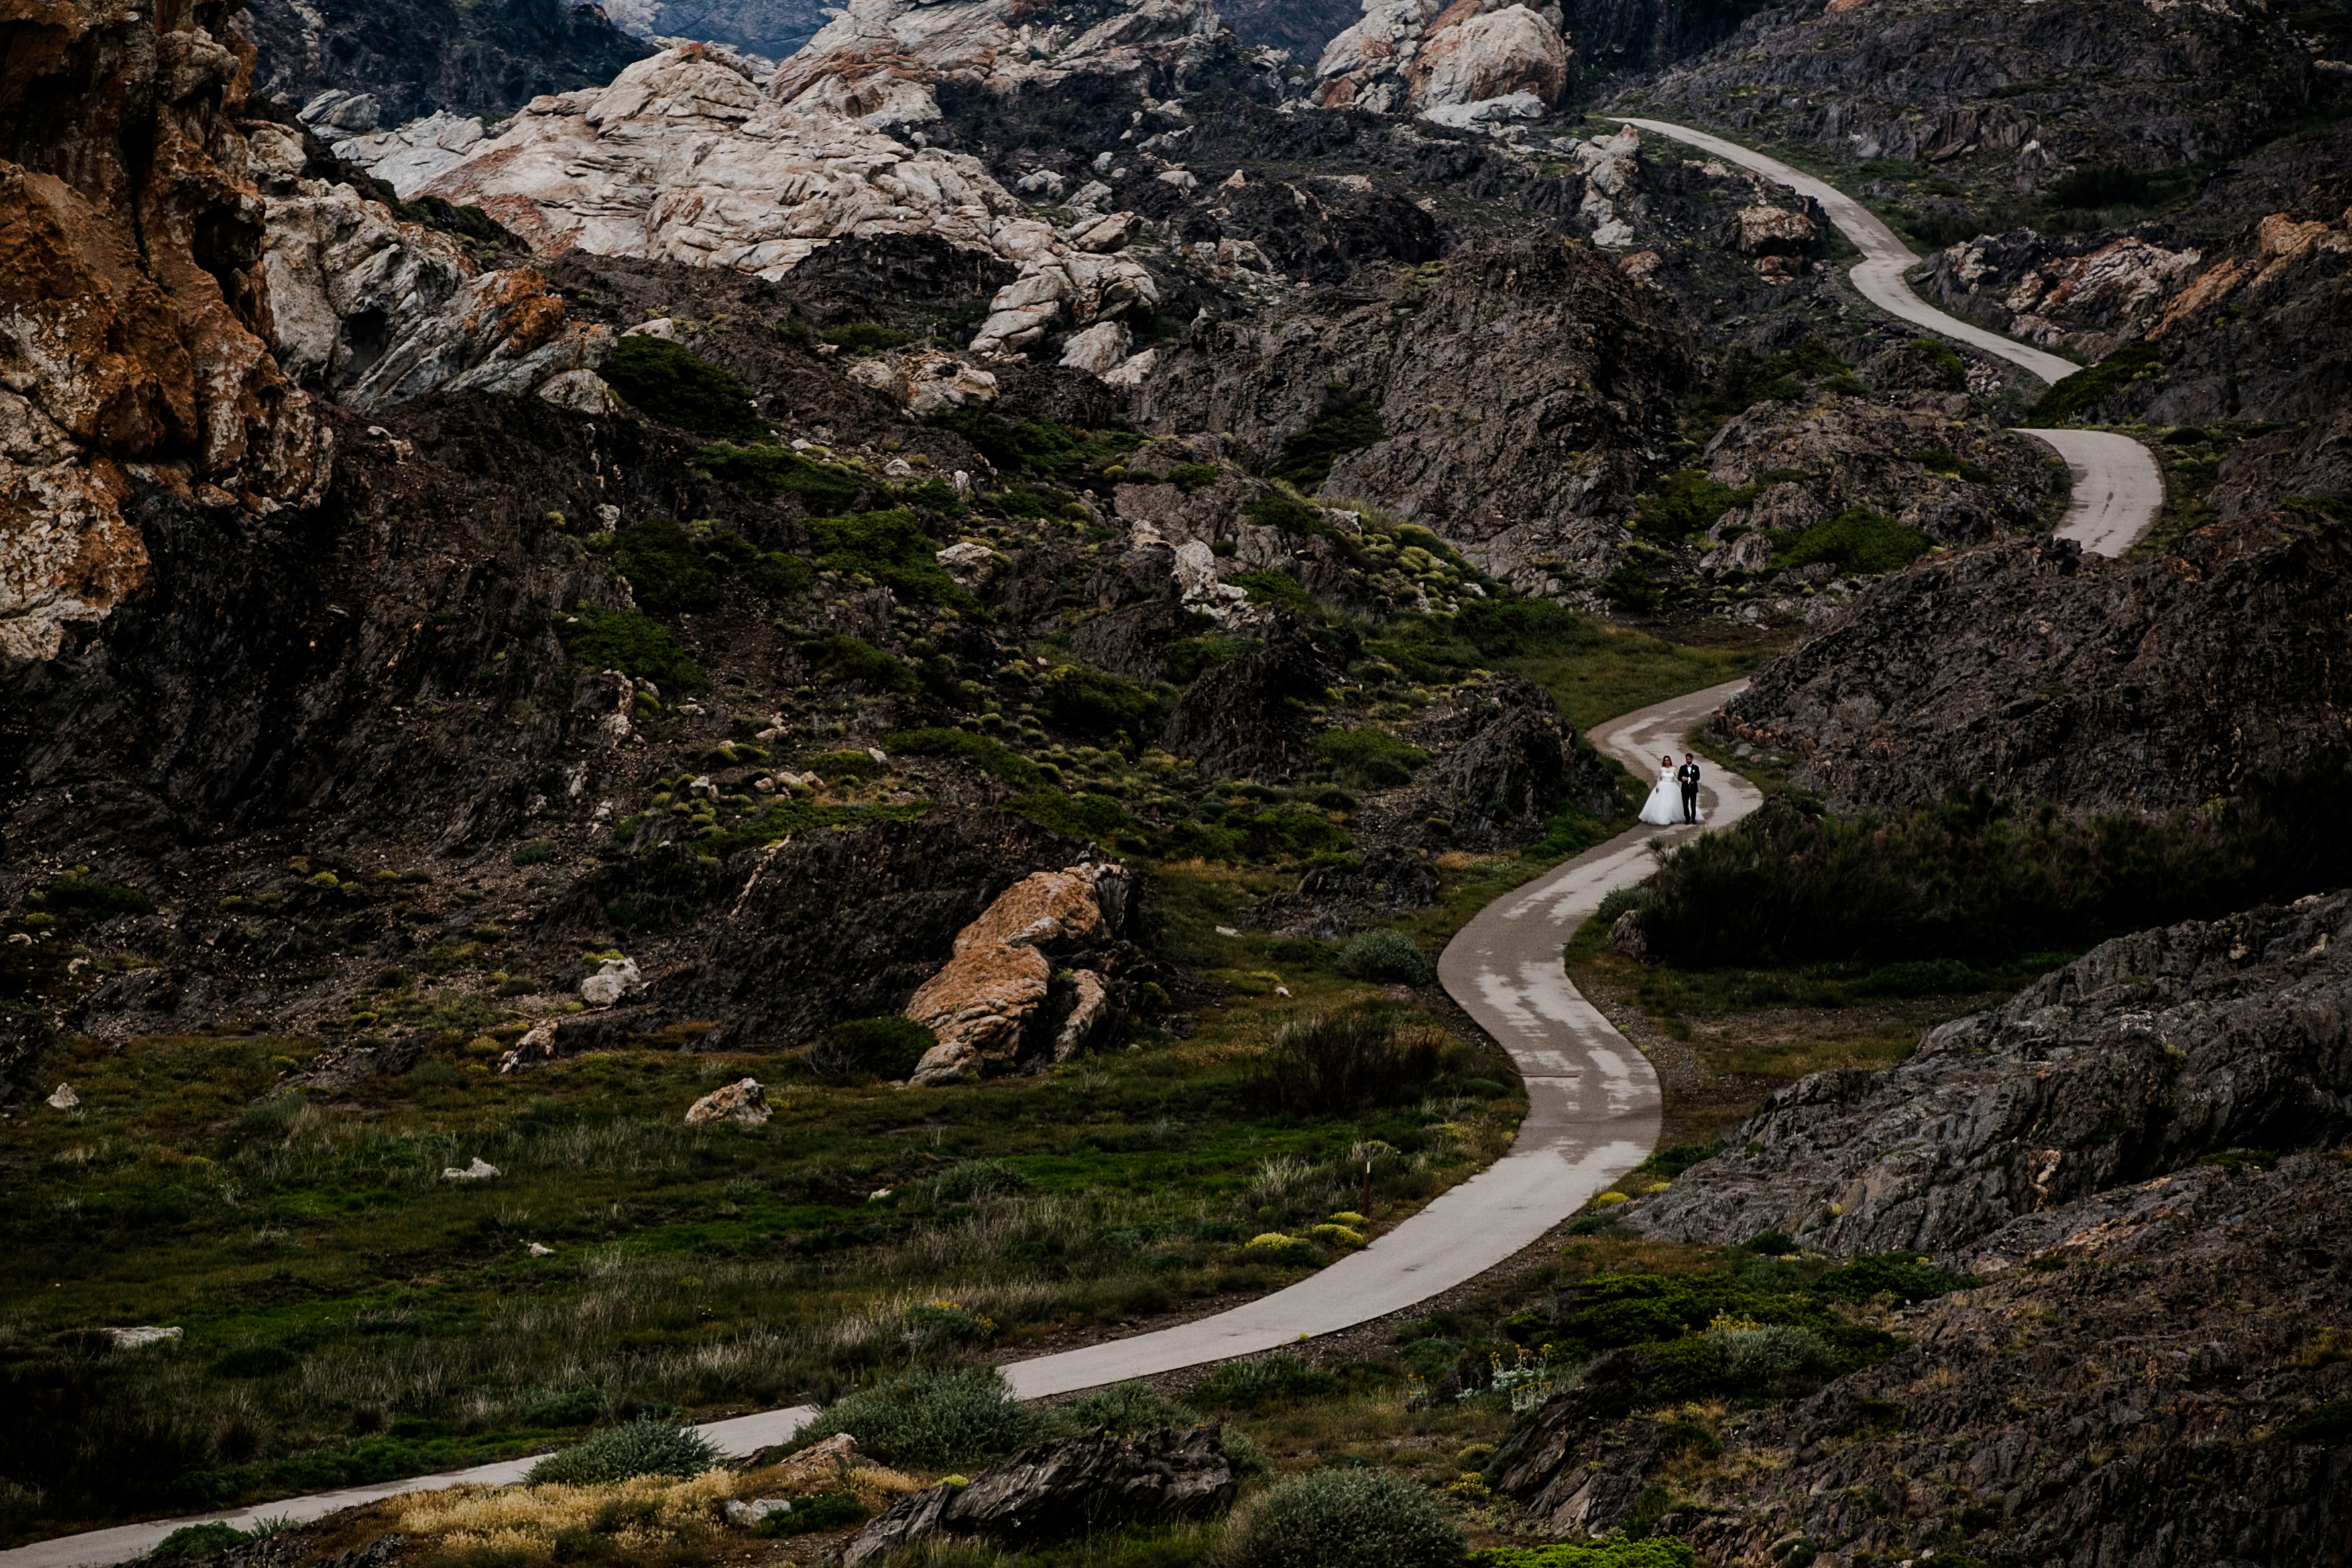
1593	1115
2117	487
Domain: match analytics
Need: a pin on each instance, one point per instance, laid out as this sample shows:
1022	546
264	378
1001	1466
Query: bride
1664	809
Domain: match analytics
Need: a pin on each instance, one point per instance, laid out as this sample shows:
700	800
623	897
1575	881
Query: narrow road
2117	486
1593	1115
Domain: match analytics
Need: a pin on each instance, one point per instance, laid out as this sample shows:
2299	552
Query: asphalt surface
2117	487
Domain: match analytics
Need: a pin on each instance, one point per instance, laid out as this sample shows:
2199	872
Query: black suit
1687	777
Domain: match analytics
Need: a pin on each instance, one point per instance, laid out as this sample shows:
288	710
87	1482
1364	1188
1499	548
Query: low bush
865	337
826	1511
2330	1422
968	1179
1903	1275
665	567
1127	1407
1094	703
772	472
208	1539
1686	503
1856	540
1090	816
778	575
2085	390
890	549
643	1448
1918	977
856	662
1344	1519
934	1417
1516	628
991	756
1384	955
1772	1358
1306	457
1333	1064
1955	373
1273	586
632	644
887	1047
1369	758
658	378
101	900
1270	1380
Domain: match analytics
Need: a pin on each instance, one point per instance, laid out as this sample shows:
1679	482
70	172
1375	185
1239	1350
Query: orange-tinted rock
978	1006
132	322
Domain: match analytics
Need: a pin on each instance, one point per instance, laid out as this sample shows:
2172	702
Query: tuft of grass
643	1448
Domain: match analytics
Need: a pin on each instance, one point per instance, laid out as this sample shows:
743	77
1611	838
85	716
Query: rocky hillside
2132	1164
2036	672
390	61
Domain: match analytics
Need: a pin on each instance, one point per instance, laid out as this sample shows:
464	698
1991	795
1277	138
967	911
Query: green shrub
858	662
1516	628
1943	460
779	576
1036	443
1905	1276
573	1407
865	338
1089	816
632	644
1856	540
660	379
968	1179
847	764
2330	1422
539	851
1652	1552
1306	457
770	472
1955	373
1333	1064
1269	1380
1617	901
933	1417
991	756
1287	515
1191	476
892	549
101	900
801	1516
643	1448
1344	1519
1369	758
1384	955
1188	657
1686	503
887	1047
2086	389
1772	1358
664	569
1094	702
208	1539
1126	1407
1628	587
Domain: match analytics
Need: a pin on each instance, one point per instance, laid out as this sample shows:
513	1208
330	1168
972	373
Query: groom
1687	777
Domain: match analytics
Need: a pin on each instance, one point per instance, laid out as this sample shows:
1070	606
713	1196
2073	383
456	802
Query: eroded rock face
1234	720
2040	672
132	322
1058	1489
987	1002
2128	1064
2092	295
1415	55
877	60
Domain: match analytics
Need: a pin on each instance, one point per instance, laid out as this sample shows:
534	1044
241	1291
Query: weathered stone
478	1170
1056	1490
978	1006
742	1101
614	978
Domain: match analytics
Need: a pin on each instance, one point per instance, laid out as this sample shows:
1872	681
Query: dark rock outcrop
1071	1488
415	58
1247	719
2136	1399
2130	1063
2035	671
1334	901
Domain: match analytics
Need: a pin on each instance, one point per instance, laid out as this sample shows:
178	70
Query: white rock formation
412	156
1101	348
1418	55
614	978
479	1170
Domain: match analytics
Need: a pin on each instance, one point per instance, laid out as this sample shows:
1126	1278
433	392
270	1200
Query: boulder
63	1098
981	1005
1420	55
614	978
1774	231
1057	1490
742	1101
1098	350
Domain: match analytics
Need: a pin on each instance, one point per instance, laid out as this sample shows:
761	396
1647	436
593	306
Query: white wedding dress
1664	807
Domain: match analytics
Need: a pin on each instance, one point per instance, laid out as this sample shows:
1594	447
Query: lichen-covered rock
2037	672
1421	54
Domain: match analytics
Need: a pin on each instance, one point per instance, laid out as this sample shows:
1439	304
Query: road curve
2117	487
1593	1115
